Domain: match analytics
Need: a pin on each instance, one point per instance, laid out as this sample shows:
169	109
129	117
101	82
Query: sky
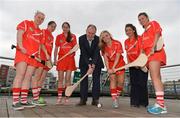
111	15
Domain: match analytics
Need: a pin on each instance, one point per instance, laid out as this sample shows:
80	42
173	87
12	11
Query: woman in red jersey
112	53
156	59
138	78
28	41
45	54
64	42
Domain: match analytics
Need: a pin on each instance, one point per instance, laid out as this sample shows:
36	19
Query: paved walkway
71	110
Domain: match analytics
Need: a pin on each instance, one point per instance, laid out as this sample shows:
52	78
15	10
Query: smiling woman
105	14
138	78
156	59
29	38
81	13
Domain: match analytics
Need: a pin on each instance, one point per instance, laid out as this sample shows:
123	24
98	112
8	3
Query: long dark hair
144	14
51	22
133	28
69	36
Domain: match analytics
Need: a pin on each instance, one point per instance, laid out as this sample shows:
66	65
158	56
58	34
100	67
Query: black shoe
143	105
81	103
135	106
95	102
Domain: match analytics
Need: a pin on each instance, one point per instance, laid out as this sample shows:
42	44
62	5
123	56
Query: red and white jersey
65	46
133	48
148	37
111	51
47	41
148	40
32	36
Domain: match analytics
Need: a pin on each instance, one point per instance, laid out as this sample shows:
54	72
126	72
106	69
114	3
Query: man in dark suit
91	61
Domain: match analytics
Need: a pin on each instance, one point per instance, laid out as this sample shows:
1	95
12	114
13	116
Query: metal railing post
175	91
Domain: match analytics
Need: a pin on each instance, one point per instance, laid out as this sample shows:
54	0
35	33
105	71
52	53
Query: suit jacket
89	54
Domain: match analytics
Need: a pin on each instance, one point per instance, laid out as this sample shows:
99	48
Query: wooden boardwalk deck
52	110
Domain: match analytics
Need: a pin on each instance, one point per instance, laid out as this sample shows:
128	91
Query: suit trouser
96	84
139	90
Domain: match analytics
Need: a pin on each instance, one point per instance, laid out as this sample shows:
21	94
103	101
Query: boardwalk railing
170	77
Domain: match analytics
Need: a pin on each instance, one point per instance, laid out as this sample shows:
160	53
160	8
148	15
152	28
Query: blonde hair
102	44
39	12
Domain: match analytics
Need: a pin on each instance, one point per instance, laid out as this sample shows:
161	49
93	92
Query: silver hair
39	12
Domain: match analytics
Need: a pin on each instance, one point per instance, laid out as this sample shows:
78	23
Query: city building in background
50	82
8	73
170	78
3	74
10	76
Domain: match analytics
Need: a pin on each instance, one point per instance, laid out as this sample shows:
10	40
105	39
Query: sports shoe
28	105
38	103
17	106
41	100
59	101
156	109
149	106
115	104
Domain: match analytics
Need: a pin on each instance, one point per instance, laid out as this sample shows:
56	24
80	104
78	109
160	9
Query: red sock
24	94
160	98
16	93
119	90
64	88
39	90
35	94
60	91
113	94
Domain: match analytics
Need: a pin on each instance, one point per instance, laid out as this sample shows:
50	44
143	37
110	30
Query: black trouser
96	84
139	90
